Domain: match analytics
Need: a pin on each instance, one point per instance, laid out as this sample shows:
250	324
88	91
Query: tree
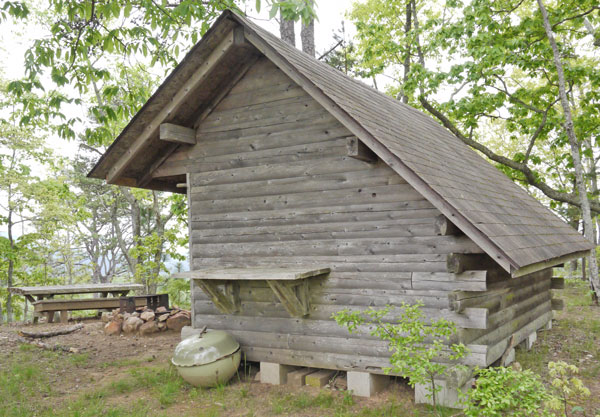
484	68
575	153
307	33
28	204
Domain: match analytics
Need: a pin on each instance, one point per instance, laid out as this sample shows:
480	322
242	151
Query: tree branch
531	177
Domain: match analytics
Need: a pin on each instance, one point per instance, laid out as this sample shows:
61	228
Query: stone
112	328
147	316
106	317
148	328
125	315
163	317
161	309
274	373
365	384
162	326
135	314
320	378
132	324
178	321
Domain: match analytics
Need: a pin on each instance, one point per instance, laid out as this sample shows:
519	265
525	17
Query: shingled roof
503	219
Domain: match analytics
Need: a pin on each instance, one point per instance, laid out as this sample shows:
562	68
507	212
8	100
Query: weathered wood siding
270	183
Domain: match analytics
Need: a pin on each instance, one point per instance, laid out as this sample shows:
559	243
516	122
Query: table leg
36	315
102	295
64	316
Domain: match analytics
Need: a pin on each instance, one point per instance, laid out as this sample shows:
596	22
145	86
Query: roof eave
549	263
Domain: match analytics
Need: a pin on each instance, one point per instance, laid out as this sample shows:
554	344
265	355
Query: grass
32	381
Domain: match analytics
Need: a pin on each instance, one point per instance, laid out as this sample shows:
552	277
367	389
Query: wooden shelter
310	192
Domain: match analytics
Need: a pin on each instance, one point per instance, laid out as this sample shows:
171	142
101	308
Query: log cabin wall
271	183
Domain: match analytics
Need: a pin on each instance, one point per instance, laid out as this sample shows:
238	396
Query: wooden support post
557	283
358	150
459	262
293	295
170	132
444	227
64	316
227	301
49	316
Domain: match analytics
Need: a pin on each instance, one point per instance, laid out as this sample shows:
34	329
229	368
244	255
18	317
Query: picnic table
43	301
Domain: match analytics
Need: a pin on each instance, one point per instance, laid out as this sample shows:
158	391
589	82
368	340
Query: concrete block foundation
274	373
448	396
364	384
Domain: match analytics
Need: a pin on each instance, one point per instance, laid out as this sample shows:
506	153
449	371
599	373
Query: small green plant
568	390
415	343
504	391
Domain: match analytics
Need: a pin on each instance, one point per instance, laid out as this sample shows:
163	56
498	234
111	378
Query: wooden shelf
278	273
289	284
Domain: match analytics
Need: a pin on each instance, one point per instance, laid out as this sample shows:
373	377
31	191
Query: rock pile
145	321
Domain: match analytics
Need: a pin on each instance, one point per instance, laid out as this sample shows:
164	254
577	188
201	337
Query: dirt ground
131	375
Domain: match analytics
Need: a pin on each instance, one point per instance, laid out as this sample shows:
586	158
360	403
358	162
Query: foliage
504	391
569	391
86	39
416	345
484	68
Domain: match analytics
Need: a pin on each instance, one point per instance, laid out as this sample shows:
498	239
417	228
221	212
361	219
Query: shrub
414	342
504	391
568	390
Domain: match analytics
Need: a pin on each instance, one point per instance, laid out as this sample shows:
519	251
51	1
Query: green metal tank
209	359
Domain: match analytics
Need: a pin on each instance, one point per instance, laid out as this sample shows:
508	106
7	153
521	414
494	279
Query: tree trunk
286	30
307	34
406	64
579	173
11	262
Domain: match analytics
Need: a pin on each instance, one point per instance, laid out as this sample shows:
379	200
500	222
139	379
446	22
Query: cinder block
530	340
320	378
274	373
447	396
364	384
298	378
548	325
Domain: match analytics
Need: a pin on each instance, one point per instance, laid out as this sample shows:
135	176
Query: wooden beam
149	175
444	227
358	150
458	263
170	132
550	263
168	111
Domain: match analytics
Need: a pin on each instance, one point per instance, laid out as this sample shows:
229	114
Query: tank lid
205	348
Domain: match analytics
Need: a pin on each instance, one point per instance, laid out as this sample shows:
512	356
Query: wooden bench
49	307
47	293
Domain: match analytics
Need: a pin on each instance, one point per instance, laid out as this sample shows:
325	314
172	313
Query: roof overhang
190	89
